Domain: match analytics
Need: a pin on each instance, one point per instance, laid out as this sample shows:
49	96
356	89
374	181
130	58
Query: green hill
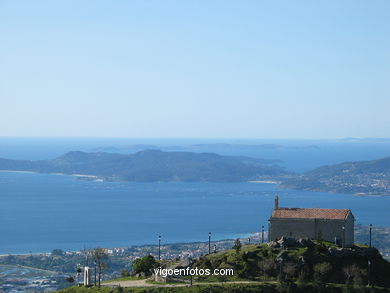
363	177
264	262
300	267
151	166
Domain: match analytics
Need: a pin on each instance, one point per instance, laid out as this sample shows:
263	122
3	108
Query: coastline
95	178
264	181
242	237
86	176
19	171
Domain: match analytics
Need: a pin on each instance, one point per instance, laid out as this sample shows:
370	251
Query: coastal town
51	271
48	272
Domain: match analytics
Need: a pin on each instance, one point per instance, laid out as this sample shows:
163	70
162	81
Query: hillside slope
284	266
152	165
363	177
298	262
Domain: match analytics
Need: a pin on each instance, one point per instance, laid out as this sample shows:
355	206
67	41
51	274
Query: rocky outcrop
286	242
354	252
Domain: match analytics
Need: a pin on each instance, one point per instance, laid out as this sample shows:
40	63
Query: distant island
210	147
361	178
153	166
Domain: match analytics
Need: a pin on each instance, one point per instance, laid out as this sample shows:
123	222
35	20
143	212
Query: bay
41	212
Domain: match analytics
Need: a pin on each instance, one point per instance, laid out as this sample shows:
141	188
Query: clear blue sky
207	69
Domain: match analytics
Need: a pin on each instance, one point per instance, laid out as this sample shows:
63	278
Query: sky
195	69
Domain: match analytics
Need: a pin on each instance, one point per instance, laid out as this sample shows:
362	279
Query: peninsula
360	178
153	166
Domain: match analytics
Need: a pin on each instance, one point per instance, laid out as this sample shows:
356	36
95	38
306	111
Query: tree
100	256
321	272
266	265
301	280
354	273
144	264
287	284
237	246
289	269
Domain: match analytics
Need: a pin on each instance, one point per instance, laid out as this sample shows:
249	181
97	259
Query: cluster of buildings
32	285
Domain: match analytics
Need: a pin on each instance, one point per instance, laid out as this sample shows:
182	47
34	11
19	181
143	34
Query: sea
42	212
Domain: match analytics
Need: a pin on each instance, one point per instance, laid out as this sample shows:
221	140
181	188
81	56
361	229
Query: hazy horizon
199	138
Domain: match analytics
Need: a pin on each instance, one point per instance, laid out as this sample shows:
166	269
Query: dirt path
140	283
143	283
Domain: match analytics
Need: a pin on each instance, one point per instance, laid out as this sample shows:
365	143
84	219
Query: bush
237	246
124	273
321	272
144	265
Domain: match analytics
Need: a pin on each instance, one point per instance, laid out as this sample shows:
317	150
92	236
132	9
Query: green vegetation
237	245
100	257
319	267
364	177
126	278
152	165
303	267
230	288
319	264
144	265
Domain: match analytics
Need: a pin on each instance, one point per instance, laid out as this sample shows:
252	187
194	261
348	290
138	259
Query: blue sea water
40	212
296	155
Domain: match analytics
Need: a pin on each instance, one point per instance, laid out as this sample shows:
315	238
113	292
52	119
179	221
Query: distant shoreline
242	237
264	181
96	178
18	171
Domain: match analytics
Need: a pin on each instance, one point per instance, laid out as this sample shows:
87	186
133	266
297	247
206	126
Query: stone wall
321	229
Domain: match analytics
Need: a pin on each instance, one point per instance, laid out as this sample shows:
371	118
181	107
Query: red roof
302	213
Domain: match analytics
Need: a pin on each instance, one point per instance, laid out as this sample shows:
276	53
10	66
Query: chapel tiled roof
312	213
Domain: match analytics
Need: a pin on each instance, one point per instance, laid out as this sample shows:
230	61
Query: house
333	225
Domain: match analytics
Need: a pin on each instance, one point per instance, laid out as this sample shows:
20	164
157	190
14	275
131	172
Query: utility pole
159	247
343	242
262	234
370	234
95	273
100	273
269	231
209	242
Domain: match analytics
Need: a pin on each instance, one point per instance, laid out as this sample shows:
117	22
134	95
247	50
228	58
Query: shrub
144	264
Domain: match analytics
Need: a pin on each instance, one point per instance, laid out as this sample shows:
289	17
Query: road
143	283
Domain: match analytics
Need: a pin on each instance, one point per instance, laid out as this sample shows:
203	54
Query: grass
128	278
269	287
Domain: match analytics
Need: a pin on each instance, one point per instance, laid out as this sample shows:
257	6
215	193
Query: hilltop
259	262
363	177
284	266
152	166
